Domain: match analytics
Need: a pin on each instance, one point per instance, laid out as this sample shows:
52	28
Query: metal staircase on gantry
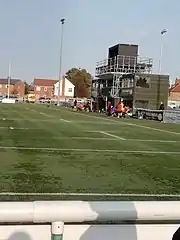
116	85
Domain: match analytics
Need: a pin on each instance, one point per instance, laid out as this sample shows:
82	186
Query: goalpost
171	116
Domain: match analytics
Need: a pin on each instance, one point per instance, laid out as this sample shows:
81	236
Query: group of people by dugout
117	111
120	110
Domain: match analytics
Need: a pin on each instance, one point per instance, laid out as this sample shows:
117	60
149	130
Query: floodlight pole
161	50
60	58
9	79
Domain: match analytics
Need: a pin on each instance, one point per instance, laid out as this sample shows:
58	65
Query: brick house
174	91
17	87
48	88
44	88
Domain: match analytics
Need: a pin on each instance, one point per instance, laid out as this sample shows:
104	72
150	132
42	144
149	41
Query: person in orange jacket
126	110
120	107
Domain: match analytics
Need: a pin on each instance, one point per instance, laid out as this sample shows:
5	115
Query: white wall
68	85
90	232
177	103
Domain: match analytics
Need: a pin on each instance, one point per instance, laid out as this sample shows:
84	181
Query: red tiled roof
177	81
12	81
176	87
44	82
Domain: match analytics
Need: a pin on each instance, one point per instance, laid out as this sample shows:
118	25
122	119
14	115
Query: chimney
177	81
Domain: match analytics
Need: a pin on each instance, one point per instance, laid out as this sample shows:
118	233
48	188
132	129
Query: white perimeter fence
167	116
80	220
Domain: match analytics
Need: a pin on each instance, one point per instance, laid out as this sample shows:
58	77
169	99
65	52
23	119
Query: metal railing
124	64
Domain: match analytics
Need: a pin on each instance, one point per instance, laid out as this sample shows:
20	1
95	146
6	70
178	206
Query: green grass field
57	150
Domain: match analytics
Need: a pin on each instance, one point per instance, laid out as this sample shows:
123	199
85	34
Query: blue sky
30	33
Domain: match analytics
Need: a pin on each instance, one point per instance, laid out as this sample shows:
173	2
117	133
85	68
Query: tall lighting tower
62	21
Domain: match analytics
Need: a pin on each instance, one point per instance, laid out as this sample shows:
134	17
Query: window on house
0	85
45	89
38	88
69	89
6	86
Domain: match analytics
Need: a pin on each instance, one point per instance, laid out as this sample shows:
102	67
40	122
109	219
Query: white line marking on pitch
61	119
152	140
33	120
57	120
86	138
98	138
88	194
88	150
17	128
128	124
116	139
92	122
41	113
64	120
47	115
44	114
131	139
112	135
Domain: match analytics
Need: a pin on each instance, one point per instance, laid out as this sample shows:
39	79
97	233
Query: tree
28	88
82	81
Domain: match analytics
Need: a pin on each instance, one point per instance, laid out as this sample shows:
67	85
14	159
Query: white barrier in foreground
81	211
91	232
59	212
